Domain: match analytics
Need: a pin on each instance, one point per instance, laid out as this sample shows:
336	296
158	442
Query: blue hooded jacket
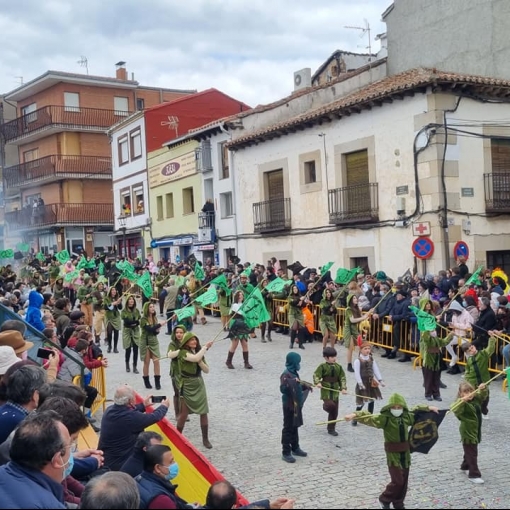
33	316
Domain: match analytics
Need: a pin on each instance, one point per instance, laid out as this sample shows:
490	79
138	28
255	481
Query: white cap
7	358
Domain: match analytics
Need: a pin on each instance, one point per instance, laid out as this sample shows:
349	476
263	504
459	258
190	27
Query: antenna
19	79
83	62
366	30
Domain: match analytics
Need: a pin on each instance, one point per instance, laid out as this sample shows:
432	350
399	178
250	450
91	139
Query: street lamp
122	224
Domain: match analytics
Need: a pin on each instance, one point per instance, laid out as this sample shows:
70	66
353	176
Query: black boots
157	380
230	357
146	382
127	367
246	361
135	370
349	367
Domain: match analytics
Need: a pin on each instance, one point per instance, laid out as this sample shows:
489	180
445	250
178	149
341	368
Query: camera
158	400
44	353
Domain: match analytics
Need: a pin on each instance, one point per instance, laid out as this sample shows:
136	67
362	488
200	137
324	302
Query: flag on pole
144	282
424	434
101	268
246	272
254	309
426	322
184	313
209	297
180	280
40	256
474	277
222	283
199	271
82	264
69	277
63	256
127	270
277	285
326	267
91	264
344	276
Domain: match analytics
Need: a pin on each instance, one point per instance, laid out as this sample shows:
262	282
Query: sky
247	49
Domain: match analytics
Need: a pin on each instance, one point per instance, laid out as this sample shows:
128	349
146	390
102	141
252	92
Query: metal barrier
98	381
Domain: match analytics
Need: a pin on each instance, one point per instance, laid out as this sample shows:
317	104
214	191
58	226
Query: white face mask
396	412
433	334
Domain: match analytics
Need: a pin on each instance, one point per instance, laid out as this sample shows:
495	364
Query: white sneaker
485	416
454	360
476	480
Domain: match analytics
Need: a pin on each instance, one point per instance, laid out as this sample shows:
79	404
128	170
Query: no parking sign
423	248
461	249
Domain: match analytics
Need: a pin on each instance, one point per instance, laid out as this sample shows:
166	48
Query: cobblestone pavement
348	471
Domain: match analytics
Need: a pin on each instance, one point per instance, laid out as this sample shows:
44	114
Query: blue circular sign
154	244
423	248
461	249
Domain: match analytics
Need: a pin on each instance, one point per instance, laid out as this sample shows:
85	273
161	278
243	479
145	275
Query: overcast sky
246	48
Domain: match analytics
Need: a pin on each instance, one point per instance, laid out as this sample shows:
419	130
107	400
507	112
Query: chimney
121	73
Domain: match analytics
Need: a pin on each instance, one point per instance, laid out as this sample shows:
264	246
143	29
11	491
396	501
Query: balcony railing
354	204
60	215
497	192
56	167
60	117
271	215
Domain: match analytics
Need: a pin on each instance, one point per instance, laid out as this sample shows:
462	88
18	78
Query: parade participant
294	394
296	302
368	379
149	344
244	285
327	321
131	317
99	311
239	331
352	318
225	301
193	396
113	304
330	378
268	301
58	289
172	353
461	322
467	408
84	294
182	301
395	420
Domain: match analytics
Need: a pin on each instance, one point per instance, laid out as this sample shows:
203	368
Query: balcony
57	167
54	119
497	192
59	215
271	215
354	204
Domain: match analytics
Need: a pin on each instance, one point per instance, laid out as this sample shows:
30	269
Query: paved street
348	471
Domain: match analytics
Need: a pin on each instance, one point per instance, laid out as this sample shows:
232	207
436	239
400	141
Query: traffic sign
423	248
460	249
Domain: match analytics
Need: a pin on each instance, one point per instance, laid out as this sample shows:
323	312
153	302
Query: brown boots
230	357
246	361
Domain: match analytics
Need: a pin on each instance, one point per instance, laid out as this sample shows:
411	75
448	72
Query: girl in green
268	301
149	344
112	305
131	331
296	303
58	289
350	332
225	300
327	321
193	397
172	353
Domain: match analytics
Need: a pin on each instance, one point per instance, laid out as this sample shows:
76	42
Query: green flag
180	281
254	309
144	282
344	276
102	279
63	256
69	277
426	322
40	256
277	285
127	270
91	264
326	267
82	264
211	296
101	268
184	313
222	283
246	272
199	271
7	254
474	277
23	247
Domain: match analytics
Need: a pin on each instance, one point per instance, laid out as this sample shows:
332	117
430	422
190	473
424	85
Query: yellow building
175	197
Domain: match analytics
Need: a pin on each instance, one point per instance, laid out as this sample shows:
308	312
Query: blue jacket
10	417
33	316
151	486
26	488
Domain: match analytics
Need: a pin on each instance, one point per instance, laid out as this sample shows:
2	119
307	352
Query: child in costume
395	420
330	378
468	408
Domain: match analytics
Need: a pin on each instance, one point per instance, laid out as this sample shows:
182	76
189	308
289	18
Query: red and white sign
421	228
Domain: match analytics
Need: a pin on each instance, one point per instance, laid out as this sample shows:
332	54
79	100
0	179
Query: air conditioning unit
303	78
204	235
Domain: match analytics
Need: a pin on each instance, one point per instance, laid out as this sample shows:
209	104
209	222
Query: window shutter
357	168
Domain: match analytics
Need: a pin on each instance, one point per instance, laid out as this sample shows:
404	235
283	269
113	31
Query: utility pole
323	136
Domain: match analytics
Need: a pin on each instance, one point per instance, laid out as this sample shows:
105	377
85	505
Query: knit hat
76	315
15	340
7	358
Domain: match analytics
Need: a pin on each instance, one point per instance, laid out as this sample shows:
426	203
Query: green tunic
112	316
324	374
477	366
130	330
83	291
327	320
470	416
430	350
149	338
295	312
225	303
350	330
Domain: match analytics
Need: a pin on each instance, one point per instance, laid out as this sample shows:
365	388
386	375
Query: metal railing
60	214
60	116
354	204
497	192
272	215
58	167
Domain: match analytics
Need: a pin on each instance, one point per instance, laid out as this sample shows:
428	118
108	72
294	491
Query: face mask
433	334
298	367
396	412
173	471
68	467
24	355
464	304
381	292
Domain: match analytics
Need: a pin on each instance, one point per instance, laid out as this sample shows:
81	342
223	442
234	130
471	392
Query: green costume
83	291
295	312
58	289
327	321
477	366
191	383
112	312
470	416
246	289
149	334
430	349
131	330
172	347
350	329
332	377
225	301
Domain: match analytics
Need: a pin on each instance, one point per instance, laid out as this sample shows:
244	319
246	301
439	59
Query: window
140	104
310	174
121	106
125	202
188	201
71	102
159	207
135	141
30	155
28	112
169	203
123	150
224	173
138	202
226	205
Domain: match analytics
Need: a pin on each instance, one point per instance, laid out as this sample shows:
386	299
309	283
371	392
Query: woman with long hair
178	333
225	301
112	305
58	289
182	301
131	316
193	396
239	331
268	301
327	321
296	302
149	344
352	318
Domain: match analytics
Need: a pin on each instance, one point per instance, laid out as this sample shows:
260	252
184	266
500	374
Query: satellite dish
297	79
